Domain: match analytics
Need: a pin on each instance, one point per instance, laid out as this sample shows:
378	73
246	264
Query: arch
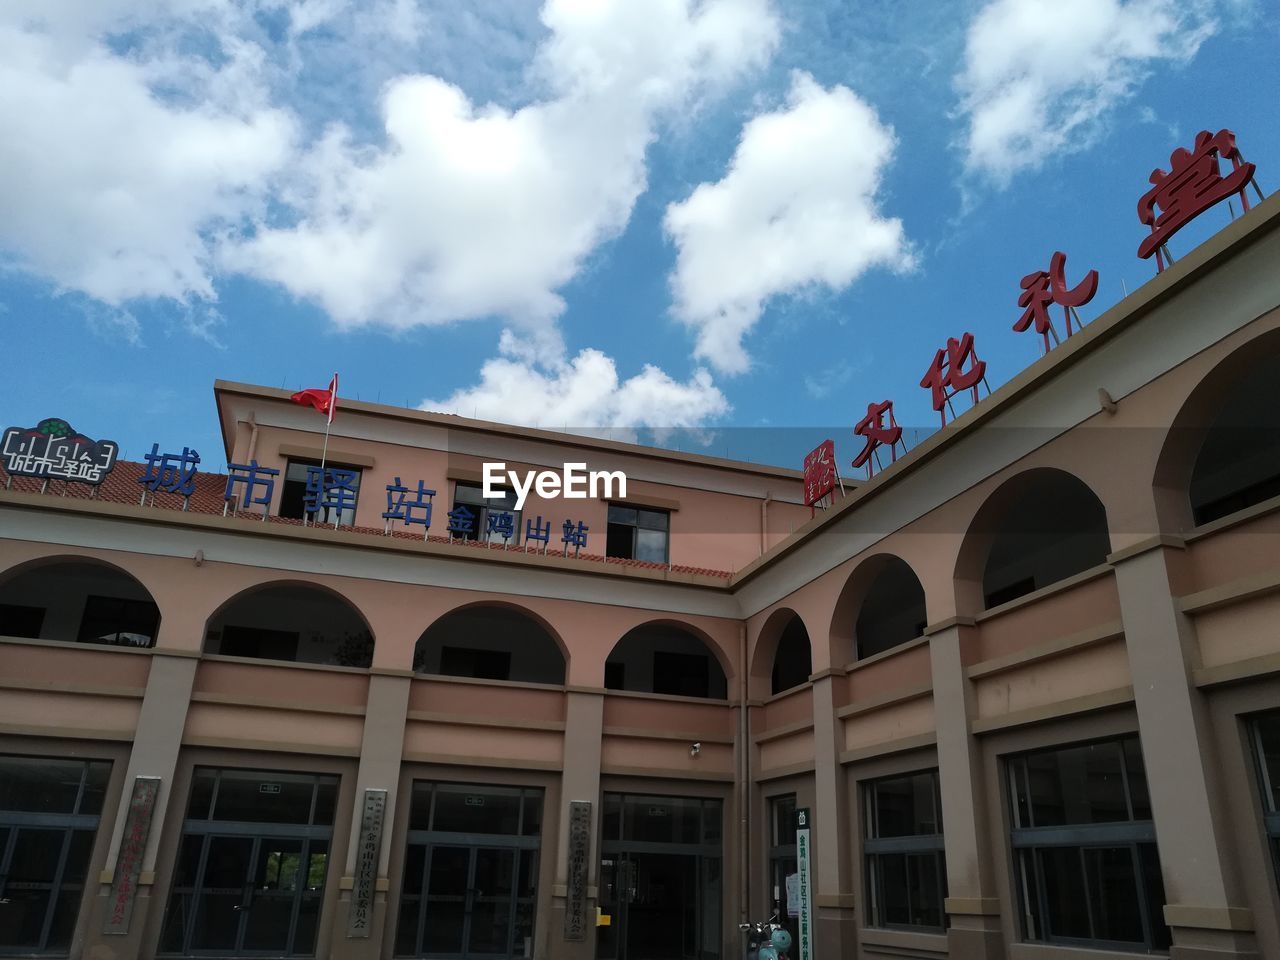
667	656
1037	528
881	606
783	656
291	621
492	641
77	599
1222	451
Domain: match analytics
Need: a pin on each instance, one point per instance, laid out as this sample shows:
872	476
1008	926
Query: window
471	496
638	533
120	622
906	867
1088	873
681	674
782	858
49	813
1266	751
19	620
481	664
294	492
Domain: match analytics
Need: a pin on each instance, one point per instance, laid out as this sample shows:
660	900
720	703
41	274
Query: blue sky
735	214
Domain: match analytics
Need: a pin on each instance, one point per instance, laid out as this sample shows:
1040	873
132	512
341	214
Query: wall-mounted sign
360	919
575	906
820	473
804	905
53	450
133	844
271	788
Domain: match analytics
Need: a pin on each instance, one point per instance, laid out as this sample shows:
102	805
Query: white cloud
584	391
1041	76
797	209
474	210
111	188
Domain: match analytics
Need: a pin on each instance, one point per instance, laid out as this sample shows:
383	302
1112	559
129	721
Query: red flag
326	401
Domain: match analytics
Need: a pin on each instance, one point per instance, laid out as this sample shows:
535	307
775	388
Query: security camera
695	749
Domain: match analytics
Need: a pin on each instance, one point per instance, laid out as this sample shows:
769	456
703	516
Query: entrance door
661	906
469	902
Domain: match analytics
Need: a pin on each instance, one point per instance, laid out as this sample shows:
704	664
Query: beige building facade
1024	680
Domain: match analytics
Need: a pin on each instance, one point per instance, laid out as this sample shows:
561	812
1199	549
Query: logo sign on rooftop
53	450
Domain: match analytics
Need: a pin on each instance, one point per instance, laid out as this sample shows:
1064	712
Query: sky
725	225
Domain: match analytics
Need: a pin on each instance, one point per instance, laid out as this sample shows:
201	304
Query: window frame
348	518
1270	809
481	508
875	848
1026	842
634	527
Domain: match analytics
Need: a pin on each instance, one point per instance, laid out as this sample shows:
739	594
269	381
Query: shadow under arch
292	621
881	606
1222	451
669	657
79	599
492	640
783	654
1036	528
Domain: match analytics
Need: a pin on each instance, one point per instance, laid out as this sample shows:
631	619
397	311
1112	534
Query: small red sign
820	476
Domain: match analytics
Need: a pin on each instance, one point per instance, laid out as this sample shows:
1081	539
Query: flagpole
324	451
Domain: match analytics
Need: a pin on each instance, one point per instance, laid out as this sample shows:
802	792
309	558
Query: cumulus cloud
1041	77
582	391
797	209
474	210
109	187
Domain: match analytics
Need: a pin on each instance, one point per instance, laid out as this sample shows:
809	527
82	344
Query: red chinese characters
820	476
1044	288
1193	184
872	428
947	375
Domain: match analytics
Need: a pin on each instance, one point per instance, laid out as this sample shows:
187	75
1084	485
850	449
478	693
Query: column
972	902
1205	906
156	745
835	926
381	751
583	732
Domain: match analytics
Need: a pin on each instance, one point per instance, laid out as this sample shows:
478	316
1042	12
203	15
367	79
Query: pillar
835	926
583	733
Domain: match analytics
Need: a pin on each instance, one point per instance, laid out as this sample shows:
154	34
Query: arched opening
665	658
293	622
892	611
78	600
489	642
793	658
1238	463
1037	528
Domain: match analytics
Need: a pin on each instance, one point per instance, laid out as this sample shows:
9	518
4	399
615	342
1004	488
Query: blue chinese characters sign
52	450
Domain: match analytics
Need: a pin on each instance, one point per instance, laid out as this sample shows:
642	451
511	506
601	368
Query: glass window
294	490
782	858
117	621
262	796
1266	751
1084	847
638	533
471	496
905	864
49	809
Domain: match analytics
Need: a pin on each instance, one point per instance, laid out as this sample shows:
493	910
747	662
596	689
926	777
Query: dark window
782	858
906	867
638	533
1266	751
681	674
480	664
114	620
21	621
49	814
1084	847
257	642
792	660
294	491
471	496
615	676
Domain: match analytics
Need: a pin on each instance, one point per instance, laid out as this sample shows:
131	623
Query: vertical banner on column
364	883
133	844
804	915
575	903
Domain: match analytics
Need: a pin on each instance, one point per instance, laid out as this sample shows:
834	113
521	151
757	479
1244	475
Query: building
1024	679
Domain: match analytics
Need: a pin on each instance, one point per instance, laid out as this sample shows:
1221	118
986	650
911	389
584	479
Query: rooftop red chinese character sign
947	375
820	474
1193	184
1042	289
873	429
